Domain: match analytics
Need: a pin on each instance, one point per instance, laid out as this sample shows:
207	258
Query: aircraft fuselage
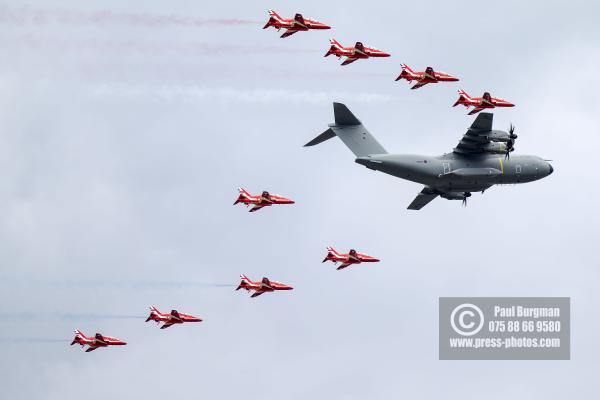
453	172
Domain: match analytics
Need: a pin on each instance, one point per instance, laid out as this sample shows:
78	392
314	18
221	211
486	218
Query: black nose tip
551	169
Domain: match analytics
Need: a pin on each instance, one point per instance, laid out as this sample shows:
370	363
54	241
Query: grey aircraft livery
480	160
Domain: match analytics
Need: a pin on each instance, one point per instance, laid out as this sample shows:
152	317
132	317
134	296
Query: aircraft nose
550	169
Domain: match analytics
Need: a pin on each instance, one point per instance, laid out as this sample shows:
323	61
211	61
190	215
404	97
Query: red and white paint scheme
353	257
98	340
480	103
353	53
264	200
174	317
424	77
263	286
293	25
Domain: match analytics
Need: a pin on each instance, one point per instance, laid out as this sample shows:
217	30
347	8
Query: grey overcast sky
126	127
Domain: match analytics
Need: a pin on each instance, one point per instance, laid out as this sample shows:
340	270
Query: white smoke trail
30	340
95	283
52	316
60	16
193	94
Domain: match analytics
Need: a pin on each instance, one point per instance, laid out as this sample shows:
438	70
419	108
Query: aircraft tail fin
78	337
243	195
462	97
331	253
153	313
335	46
245	281
273	14
273	19
406	73
351	131
406	67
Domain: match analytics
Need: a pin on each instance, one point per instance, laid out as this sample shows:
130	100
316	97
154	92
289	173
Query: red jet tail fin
243	195
273	14
331	254
154	312
406	67
274	18
78	337
462	98
406	73
245	282
334	47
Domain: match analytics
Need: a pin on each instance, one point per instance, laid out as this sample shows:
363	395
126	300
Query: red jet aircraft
353	53
424	77
265	285
94	342
173	318
298	23
480	103
264	200
353	257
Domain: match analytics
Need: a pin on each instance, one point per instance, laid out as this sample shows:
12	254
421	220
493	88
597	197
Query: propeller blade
466	196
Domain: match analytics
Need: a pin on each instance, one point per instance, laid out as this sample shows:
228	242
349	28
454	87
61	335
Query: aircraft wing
349	60
476	137
256	208
255	294
167	324
422	199
343	265
91	348
287	33
419	84
476	110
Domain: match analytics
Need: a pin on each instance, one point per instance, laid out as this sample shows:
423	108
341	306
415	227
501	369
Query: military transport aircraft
96	341
298	23
353	257
424	77
265	285
480	103
478	162
174	317
264	200
353	53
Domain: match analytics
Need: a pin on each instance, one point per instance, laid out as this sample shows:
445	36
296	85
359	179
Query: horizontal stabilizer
328	134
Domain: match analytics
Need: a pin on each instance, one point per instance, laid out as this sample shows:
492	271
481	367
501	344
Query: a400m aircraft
479	161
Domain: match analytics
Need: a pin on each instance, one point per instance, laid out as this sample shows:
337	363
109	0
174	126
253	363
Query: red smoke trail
28	15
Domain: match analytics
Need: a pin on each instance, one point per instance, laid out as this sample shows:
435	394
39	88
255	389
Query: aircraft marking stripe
501	166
